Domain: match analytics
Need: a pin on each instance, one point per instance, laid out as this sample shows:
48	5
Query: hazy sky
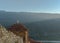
30	5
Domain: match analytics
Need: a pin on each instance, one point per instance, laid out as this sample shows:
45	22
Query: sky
52	6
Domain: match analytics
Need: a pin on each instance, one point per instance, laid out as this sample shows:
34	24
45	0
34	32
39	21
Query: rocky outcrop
7	36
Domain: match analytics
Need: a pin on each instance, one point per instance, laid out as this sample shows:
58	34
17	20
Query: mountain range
42	26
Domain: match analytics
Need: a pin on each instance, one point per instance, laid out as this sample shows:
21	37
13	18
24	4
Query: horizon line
31	11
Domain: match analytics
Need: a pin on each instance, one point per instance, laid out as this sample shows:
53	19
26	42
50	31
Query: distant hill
8	18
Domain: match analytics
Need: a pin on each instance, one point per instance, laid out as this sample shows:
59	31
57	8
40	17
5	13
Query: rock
7	36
